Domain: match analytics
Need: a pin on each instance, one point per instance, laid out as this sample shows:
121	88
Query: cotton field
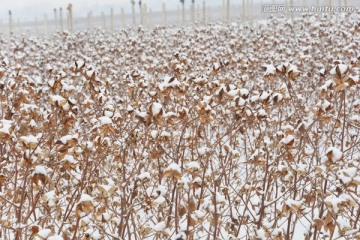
223	131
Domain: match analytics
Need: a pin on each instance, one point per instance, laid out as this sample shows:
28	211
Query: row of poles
246	13
144	13
69	20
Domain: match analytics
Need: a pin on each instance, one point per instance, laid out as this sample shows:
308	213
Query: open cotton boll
44	233
105	120
159	227
333	155
40	170
156	108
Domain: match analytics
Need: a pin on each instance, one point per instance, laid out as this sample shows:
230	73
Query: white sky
27	10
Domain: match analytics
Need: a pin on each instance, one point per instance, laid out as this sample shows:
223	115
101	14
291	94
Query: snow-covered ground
215	131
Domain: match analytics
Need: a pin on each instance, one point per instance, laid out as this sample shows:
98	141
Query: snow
141	114
202	151
44	233
199	80
105	120
168	82
261	113
342	69
156	108
193	166
94	234
69	158
336	154
57	98
325	105
270	69
106	188
347	175
264	95
5	126
180	236
220	198
85	197
67	138
344	223
55	237
244	92
174	167
159	227
154	133
144	176
287	139
261	234
29	139
333	202
50	198
159	200
40	170
232	93
165	134
293	203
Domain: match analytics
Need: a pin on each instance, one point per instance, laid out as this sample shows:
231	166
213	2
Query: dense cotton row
221	131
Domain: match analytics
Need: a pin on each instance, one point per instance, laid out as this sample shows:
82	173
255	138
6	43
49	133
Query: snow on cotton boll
93	234
192	167
39	175
66	142
50	199
85	205
270	71
29	142
106	125
333	155
155	109
6	129
173	171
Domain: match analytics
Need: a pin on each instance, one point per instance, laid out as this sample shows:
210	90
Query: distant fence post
141	13
193	11
133	11
61	19
70	18
204	12
10	23
164	13
56	21
183	12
